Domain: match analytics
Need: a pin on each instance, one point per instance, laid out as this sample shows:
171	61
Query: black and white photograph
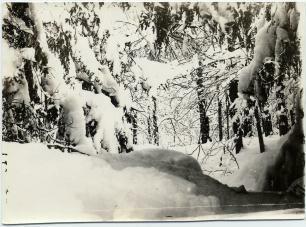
152	111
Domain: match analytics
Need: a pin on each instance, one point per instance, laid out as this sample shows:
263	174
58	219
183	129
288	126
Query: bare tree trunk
155	125
220	120
135	126
237	124
227	117
258	115
238	134
204	120
259	131
149	129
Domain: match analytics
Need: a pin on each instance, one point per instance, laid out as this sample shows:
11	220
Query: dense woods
103	77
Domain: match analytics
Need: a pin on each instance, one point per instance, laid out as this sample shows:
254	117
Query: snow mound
254	167
48	185
168	161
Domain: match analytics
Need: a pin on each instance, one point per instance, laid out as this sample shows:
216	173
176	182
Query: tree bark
149	129
220	120
237	124
259	131
227	117
258	115
204	120
155	125
238	134
135	126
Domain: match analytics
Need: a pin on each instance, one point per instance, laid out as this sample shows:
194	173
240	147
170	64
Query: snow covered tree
59	62
272	42
218	82
212	75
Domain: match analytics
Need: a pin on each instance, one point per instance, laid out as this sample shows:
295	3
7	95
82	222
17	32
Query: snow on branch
268	42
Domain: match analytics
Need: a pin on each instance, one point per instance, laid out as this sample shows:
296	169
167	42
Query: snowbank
47	185
253	165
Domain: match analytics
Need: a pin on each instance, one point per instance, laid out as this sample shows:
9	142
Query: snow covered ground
252	165
46	185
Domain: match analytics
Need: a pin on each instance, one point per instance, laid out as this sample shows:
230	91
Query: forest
200	100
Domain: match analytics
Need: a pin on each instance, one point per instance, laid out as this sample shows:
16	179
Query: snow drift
254	167
47	185
43	185
251	169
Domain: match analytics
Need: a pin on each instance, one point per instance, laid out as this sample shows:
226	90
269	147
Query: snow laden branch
269	44
55	79
95	78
